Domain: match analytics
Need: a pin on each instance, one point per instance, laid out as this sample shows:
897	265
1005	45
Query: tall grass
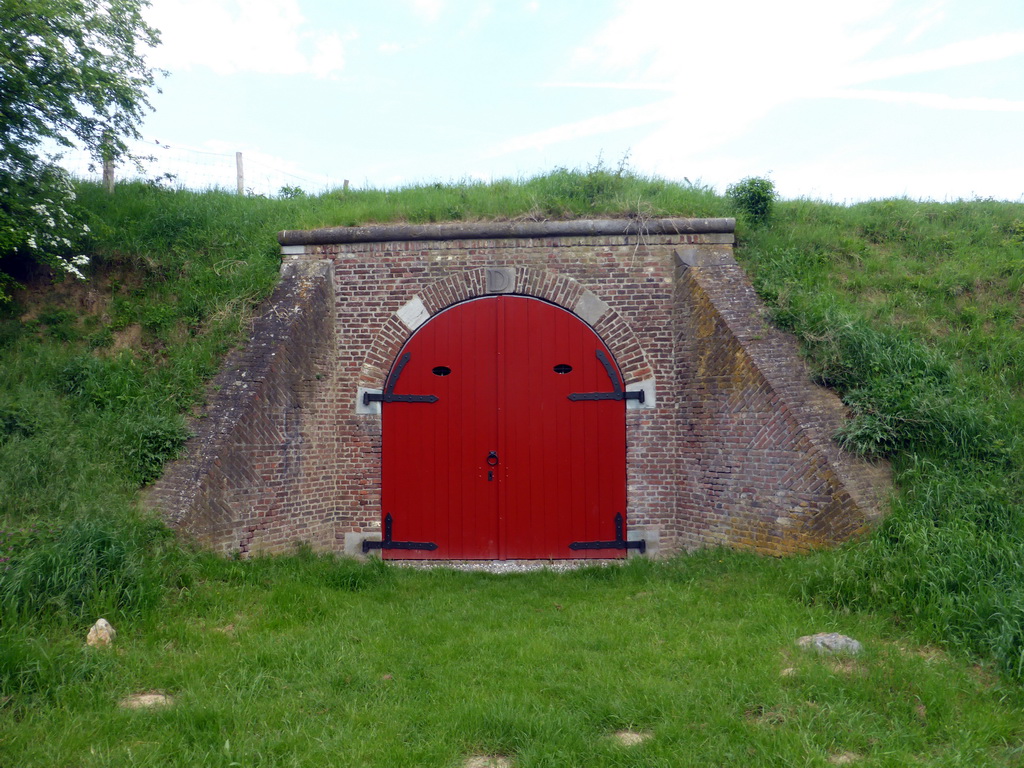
887	297
116	567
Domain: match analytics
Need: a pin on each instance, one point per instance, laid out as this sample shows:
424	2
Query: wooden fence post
107	153
239	174
108	175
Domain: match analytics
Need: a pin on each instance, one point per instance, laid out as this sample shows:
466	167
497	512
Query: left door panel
435	482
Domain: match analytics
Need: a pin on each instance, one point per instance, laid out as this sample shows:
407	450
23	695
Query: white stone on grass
844	758
146	700
101	634
830	642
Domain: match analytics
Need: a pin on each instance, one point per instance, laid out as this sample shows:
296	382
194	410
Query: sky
835	100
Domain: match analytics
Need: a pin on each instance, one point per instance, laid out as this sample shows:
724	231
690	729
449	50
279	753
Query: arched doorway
504	437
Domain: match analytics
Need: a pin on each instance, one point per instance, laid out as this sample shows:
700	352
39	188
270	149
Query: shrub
753	197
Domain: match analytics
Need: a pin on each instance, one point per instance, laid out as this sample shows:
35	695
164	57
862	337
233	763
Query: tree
72	73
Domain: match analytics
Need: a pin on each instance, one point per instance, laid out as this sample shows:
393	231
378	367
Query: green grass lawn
314	661
912	311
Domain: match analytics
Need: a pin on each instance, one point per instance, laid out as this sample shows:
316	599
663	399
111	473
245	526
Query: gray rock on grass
830	642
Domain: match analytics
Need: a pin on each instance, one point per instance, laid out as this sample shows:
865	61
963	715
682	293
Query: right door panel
564	477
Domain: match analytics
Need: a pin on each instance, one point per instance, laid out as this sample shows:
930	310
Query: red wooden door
485	455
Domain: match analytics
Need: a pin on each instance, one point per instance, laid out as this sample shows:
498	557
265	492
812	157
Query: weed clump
117	567
754	197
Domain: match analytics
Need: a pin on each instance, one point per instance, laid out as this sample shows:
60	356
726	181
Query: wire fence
254	173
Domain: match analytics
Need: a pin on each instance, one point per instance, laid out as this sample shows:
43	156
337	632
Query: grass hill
912	311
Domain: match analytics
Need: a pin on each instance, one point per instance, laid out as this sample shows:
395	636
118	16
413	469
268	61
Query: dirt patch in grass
846	667
629	738
487	761
766	716
129	337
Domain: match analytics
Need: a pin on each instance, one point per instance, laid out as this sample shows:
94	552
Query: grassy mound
911	310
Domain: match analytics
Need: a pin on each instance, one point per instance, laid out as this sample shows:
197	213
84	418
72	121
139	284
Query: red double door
504	437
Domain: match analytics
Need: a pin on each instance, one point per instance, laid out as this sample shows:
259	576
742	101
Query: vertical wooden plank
514	494
483	320
506	432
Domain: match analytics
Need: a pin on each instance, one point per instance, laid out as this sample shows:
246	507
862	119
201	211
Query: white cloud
477	18
389	49
726	65
976	51
428	10
611	85
933	100
731	41
852	180
232	36
925	19
626	118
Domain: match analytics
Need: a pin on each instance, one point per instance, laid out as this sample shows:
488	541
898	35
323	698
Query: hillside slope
912	311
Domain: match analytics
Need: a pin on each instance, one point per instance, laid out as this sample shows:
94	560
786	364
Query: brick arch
559	289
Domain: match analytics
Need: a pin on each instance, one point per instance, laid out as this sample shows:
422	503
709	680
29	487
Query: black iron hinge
388	543
617	394
389	396
619	543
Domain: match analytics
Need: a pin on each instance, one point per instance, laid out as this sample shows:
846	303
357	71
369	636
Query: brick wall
732	446
759	468
249	478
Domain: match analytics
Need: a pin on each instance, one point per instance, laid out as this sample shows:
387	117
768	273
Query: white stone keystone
413	314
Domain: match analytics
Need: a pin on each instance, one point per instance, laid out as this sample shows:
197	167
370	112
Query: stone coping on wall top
497	230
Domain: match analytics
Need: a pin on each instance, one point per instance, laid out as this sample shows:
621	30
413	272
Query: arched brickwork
546	284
